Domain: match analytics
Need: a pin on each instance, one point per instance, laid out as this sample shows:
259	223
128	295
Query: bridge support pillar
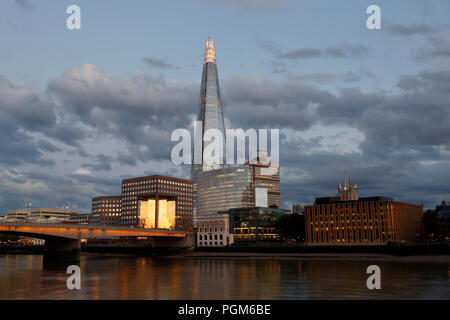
62	245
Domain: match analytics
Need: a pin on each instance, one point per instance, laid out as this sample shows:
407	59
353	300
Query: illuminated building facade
366	221
106	210
347	192
157	202
214	231
254	224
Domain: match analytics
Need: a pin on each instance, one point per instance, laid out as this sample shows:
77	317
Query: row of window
205	229
205	237
206	243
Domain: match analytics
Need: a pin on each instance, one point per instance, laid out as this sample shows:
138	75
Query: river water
127	277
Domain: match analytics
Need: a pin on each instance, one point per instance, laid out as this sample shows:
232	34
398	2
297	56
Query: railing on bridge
82	226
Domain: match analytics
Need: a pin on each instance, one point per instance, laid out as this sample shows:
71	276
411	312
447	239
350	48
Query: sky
82	109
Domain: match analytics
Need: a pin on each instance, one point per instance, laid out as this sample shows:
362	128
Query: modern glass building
210	111
254	224
223	189
219	186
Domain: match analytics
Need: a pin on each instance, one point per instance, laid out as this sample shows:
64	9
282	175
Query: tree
291	227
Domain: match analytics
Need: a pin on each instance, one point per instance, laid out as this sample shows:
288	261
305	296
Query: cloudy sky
82	109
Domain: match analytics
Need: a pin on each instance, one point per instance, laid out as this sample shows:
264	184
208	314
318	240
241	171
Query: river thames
129	277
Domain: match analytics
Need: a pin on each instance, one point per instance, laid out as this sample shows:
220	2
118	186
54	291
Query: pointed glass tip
210	51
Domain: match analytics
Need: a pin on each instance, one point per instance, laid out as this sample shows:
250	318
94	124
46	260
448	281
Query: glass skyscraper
217	186
210	111
221	186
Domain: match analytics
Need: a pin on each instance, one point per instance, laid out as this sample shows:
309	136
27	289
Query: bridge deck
80	231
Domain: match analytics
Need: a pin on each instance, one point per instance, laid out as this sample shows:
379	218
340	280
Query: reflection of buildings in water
334	279
14	281
216	278
347	279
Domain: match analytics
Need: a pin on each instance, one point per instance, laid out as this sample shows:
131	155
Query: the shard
210	112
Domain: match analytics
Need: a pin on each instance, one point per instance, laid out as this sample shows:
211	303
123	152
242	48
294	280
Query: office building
214	231
79	218
94	218
106	210
219	187
210	111
223	189
49	215
17	215
366	221
254	224
157	202
266	176
443	221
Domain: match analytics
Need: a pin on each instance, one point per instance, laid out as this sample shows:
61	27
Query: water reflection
125	277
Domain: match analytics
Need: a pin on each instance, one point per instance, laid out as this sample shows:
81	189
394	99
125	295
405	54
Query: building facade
254	224
366	221
223	189
214	231
266	175
17	215
49	215
157	202
443	221
80	218
210	113
106	210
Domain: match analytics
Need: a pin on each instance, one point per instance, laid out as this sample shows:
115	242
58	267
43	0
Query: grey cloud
342	51
20	186
102	163
403	30
139	110
158	63
259	4
24	5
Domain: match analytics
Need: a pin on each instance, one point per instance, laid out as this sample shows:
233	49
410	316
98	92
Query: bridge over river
67	237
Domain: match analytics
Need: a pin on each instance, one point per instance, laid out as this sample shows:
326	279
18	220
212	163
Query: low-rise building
254	224
16	215
94	218
366	221
214	231
106	210
80	218
49	215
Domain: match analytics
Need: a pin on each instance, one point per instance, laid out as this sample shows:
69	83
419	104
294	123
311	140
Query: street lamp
28	208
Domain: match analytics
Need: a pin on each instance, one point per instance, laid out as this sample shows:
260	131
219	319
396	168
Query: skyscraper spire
210	51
